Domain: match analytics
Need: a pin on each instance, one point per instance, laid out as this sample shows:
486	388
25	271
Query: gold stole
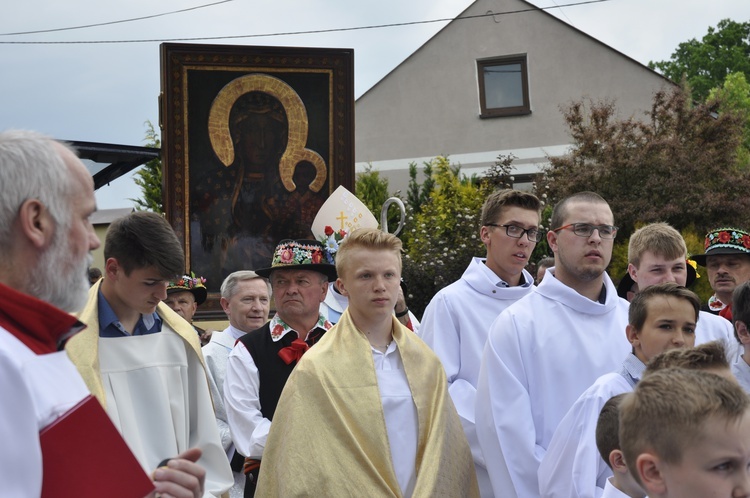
328	436
83	348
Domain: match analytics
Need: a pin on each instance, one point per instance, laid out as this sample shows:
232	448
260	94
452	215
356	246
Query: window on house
503	86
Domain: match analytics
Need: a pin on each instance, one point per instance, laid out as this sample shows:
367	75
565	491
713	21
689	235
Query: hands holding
181	477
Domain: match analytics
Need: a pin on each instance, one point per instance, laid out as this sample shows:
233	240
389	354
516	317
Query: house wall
429	105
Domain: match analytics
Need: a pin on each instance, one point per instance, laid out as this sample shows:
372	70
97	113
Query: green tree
678	165
734	96
372	190
705	64
419	193
443	236
148	177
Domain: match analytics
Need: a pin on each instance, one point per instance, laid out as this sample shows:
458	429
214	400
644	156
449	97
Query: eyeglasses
517	232
586	229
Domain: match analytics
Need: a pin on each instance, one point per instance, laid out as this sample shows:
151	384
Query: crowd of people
511	385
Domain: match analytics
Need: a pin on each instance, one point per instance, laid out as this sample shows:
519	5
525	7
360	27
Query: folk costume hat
724	241
301	255
192	284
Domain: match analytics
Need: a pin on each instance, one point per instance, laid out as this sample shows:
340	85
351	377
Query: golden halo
295	152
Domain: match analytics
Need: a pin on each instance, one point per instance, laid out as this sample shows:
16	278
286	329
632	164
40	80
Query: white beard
58	280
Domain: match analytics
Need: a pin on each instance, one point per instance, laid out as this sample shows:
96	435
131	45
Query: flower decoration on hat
332	239
190	283
302	255
728	237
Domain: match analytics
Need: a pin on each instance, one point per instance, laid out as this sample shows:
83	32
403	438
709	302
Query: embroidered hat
301	255
190	283
626	282
724	241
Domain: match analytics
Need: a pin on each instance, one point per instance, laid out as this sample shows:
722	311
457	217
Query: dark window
503	86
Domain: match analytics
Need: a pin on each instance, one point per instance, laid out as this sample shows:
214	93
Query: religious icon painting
254	140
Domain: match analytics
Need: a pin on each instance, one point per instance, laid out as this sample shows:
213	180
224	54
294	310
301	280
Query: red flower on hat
316	257
328	230
287	256
746	241
724	237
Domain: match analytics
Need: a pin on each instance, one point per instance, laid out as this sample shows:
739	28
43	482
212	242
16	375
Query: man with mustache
548	347
727	261
263	359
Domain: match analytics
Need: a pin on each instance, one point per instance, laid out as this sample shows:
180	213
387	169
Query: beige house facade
487	85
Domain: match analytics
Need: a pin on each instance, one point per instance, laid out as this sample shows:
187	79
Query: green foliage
418	194
444	235
734	97
678	165
148	177
372	190
705	64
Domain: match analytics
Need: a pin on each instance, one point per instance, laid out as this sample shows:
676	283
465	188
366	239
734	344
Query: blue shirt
110	326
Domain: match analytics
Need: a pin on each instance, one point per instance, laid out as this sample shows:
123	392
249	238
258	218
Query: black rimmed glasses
586	229
517	232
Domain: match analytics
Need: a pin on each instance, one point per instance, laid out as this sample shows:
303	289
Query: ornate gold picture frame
254	139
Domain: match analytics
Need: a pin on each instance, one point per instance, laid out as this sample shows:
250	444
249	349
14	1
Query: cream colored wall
429	105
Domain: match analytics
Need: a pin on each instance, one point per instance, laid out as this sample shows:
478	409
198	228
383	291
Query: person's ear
651	474
341	288
36	223
633	272
484	234
742	332
632	334
111	268
617	462
552	240
224	305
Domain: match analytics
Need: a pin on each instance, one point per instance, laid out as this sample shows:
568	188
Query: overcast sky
104	92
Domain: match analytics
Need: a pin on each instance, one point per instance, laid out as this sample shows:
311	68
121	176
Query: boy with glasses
543	351
457	320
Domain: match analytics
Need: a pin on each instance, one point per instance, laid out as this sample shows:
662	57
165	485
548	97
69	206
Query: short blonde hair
660	238
668	409
366	238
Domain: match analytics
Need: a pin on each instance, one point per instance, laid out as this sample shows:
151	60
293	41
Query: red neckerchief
294	351
42	327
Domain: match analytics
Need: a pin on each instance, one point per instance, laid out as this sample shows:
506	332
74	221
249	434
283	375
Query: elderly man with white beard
46	199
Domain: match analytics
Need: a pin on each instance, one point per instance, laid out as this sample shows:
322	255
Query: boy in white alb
661	317
457	320
547	348
656	254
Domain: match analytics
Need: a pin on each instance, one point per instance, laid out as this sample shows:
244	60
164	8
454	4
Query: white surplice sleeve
504	418
572	466
248	427
440	331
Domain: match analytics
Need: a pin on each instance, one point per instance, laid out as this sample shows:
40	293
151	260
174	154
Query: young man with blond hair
367	410
457	320
686	434
657	253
